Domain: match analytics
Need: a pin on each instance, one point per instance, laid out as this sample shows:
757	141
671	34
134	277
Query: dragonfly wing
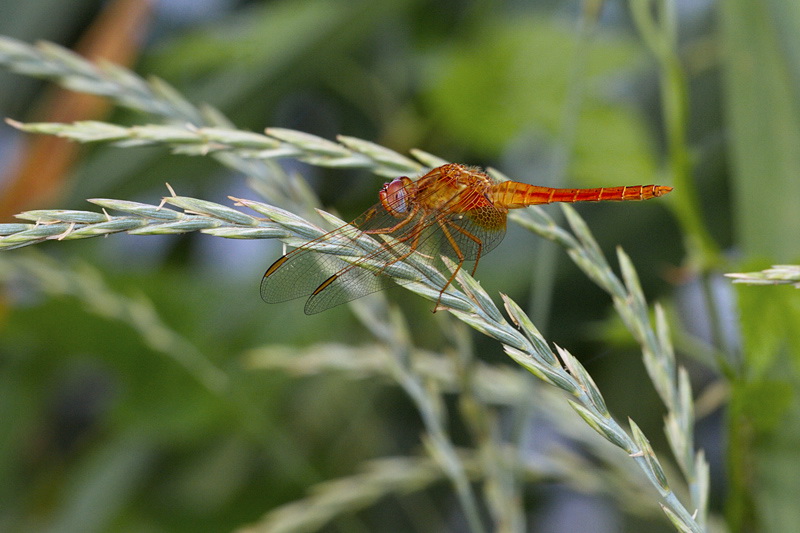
348	284
328	279
362	276
298	274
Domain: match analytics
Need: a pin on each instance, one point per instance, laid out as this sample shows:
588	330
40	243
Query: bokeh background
102	428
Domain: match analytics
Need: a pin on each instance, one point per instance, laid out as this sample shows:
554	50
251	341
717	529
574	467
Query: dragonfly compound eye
393	197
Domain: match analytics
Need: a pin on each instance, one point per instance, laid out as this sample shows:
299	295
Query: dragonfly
454	211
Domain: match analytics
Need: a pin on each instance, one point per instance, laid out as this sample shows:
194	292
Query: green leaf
764	403
763	106
764	437
513	77
770	321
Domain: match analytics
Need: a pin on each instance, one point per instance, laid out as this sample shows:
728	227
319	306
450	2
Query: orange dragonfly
453	211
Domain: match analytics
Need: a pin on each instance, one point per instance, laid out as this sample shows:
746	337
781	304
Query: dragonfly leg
471	237
412	235
459	255
404	222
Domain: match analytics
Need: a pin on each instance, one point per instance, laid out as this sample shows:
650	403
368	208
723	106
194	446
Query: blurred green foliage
511	77
104	429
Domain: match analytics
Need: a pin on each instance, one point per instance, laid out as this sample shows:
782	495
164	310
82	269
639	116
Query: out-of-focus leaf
765	403
760	78
766	410
612	145
763	107
256	48
777	481
513	78
269	34
770	321
103	484
765	423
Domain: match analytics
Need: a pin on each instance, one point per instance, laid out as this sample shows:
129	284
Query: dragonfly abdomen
513	195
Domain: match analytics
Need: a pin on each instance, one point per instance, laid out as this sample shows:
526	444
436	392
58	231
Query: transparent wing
330	280
297	274
350	283
300	272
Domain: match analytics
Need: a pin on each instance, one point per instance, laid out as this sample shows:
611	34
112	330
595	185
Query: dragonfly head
395	196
